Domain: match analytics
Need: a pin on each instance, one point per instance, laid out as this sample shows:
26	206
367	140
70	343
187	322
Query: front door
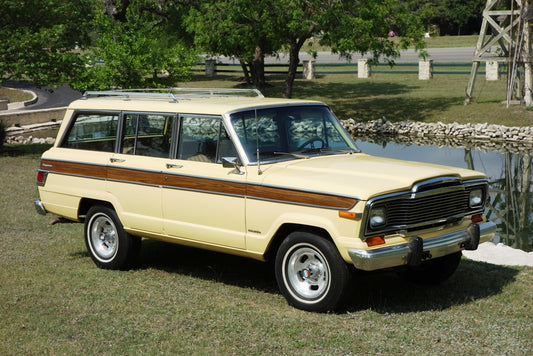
202	200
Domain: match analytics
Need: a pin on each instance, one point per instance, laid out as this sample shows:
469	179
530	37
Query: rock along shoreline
483	137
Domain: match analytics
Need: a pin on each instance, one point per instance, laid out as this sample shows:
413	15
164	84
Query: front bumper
417	250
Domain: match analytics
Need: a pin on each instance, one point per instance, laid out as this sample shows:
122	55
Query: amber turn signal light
375	240
476	218
347	214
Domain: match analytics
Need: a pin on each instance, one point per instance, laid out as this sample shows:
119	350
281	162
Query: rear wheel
108	244
433	271
311	273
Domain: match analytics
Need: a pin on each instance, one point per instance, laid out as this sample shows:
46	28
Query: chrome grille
434	207
424	208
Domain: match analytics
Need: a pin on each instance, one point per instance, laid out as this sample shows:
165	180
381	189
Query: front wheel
108	244
311	273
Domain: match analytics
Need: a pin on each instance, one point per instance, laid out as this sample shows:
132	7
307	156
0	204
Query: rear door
135	171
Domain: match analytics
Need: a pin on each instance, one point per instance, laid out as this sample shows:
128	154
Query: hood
356	175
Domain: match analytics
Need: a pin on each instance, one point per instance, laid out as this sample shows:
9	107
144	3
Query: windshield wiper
296	155
327	150
339	150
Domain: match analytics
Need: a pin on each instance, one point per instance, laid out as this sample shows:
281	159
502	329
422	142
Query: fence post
309	70
492	69
425	69
210	67
363	68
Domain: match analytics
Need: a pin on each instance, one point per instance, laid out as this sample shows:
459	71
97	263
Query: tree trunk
258	69
294	60
245	71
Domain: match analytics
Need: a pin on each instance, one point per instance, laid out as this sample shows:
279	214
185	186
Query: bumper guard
417	250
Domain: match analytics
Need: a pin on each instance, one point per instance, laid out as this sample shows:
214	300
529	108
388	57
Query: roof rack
174	94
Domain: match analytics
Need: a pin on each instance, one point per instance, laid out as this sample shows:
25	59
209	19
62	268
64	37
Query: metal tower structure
508	32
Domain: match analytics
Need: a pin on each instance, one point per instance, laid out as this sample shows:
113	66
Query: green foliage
40	39
138	50
364	28
233	28
449	16
250	29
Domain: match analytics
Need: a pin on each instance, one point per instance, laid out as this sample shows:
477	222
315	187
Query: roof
184	100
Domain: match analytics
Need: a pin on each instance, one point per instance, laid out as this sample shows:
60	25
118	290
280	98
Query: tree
236	28
348	27
137	45
449	16
41	39
250	29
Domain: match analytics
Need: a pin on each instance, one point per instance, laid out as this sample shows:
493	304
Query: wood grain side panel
74	168
134	175
200	184
205	184
300	197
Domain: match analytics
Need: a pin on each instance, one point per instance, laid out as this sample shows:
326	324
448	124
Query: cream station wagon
270	179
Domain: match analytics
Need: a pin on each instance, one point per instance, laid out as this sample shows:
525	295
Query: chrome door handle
117	160
171	165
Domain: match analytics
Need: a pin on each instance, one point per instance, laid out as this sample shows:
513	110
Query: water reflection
509	177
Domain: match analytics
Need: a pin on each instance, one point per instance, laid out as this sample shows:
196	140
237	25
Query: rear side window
147	134
92	131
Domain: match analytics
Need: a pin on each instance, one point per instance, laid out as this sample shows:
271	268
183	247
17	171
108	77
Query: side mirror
232	162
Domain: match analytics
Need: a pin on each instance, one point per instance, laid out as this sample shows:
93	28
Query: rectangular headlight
475	199
378	217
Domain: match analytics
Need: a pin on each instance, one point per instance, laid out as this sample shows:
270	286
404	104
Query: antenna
259	171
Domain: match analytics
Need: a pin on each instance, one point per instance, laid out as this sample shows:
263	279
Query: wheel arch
87	203
288	228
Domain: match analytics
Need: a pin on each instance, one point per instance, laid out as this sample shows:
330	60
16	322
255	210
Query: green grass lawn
14	95
54	300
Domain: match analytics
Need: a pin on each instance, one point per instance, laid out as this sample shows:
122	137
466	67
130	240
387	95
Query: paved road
439	55
47	97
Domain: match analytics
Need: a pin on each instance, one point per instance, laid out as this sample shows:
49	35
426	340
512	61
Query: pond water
510	183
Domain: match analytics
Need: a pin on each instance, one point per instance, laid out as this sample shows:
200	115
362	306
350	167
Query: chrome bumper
39	207
417	249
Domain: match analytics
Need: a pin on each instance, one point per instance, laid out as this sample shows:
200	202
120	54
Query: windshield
290	132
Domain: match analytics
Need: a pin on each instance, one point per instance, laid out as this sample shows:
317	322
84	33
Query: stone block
363	68
425	69
309	70
492	70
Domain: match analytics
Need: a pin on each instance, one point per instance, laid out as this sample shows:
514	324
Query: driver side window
204	139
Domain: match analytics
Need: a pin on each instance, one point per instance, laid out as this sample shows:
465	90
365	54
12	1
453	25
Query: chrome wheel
109	245
306	272
311	273
103	237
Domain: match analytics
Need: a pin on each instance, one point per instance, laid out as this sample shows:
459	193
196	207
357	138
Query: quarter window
93	131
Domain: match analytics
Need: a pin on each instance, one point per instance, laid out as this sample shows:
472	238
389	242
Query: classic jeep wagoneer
232	171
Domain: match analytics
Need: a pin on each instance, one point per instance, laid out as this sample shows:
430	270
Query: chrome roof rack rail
174	94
